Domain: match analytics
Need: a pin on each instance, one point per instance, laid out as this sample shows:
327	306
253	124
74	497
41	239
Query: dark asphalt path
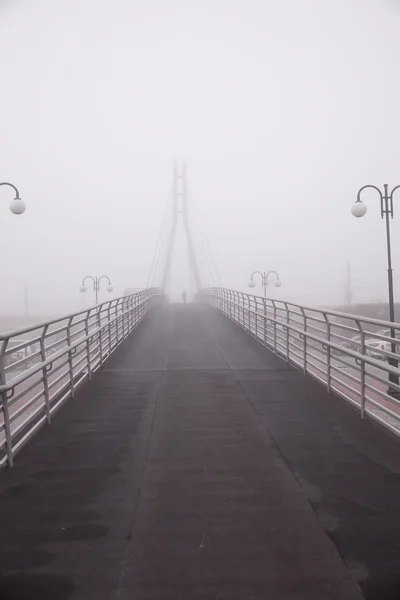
196	464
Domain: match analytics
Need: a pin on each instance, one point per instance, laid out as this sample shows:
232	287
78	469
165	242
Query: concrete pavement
196	464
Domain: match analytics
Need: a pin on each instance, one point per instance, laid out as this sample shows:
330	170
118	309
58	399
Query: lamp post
96	285
17	206
358	210
264	280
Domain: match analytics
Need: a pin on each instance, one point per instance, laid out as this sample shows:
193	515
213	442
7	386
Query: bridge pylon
180	207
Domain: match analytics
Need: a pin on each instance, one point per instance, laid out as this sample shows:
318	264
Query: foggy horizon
282	112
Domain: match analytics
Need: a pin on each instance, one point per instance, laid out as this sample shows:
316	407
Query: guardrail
347	353
41	366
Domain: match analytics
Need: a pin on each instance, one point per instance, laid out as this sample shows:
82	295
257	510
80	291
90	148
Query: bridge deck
198	465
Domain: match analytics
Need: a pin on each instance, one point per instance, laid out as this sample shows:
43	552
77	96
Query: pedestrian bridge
230	448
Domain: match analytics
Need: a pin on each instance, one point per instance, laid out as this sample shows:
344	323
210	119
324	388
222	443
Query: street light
264	280
96	285
359	210
17	206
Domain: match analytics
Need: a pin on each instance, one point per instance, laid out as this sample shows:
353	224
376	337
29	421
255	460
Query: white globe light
110	288
358	209
278	283
17	206
252	284
83	288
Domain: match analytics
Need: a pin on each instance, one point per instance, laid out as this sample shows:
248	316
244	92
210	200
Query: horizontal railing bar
15	415
25	391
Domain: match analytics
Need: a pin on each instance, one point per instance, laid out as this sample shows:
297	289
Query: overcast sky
282	109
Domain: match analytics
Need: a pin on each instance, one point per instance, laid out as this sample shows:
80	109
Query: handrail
334	313
27	374
97	308
37	376
316	343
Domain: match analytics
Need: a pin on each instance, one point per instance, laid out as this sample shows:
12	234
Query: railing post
124	316
257	315
88	357
70	363
240	309
236	314
275	344
4	406
362	385
117	322
109	328
248	313
328	353
135	310
145	307
139	309
130	313
303	312
254	304
142	307
99	334
45	374
287	333
231	305
265	321
136	301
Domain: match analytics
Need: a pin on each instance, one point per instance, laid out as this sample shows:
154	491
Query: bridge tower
180	207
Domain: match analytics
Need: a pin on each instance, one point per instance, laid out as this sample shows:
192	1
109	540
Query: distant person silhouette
184	297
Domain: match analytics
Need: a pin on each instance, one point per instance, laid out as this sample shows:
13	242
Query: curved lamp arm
256	273
104	277
88	277
12	186
272	273
365	187
397	187
391	199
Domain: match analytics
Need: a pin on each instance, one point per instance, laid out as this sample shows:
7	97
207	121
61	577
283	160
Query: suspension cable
156	256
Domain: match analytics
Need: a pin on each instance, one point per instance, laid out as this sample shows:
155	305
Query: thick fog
282	110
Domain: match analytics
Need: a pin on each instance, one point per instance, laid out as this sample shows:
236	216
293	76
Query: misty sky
282	109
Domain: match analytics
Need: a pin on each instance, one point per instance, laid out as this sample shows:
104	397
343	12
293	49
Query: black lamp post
358	210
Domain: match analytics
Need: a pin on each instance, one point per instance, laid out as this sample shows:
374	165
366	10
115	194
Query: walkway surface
197	465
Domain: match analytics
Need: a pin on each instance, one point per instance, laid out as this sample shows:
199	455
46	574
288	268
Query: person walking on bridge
184	296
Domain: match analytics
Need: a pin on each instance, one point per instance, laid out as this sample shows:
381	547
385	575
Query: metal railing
41	366
347	353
